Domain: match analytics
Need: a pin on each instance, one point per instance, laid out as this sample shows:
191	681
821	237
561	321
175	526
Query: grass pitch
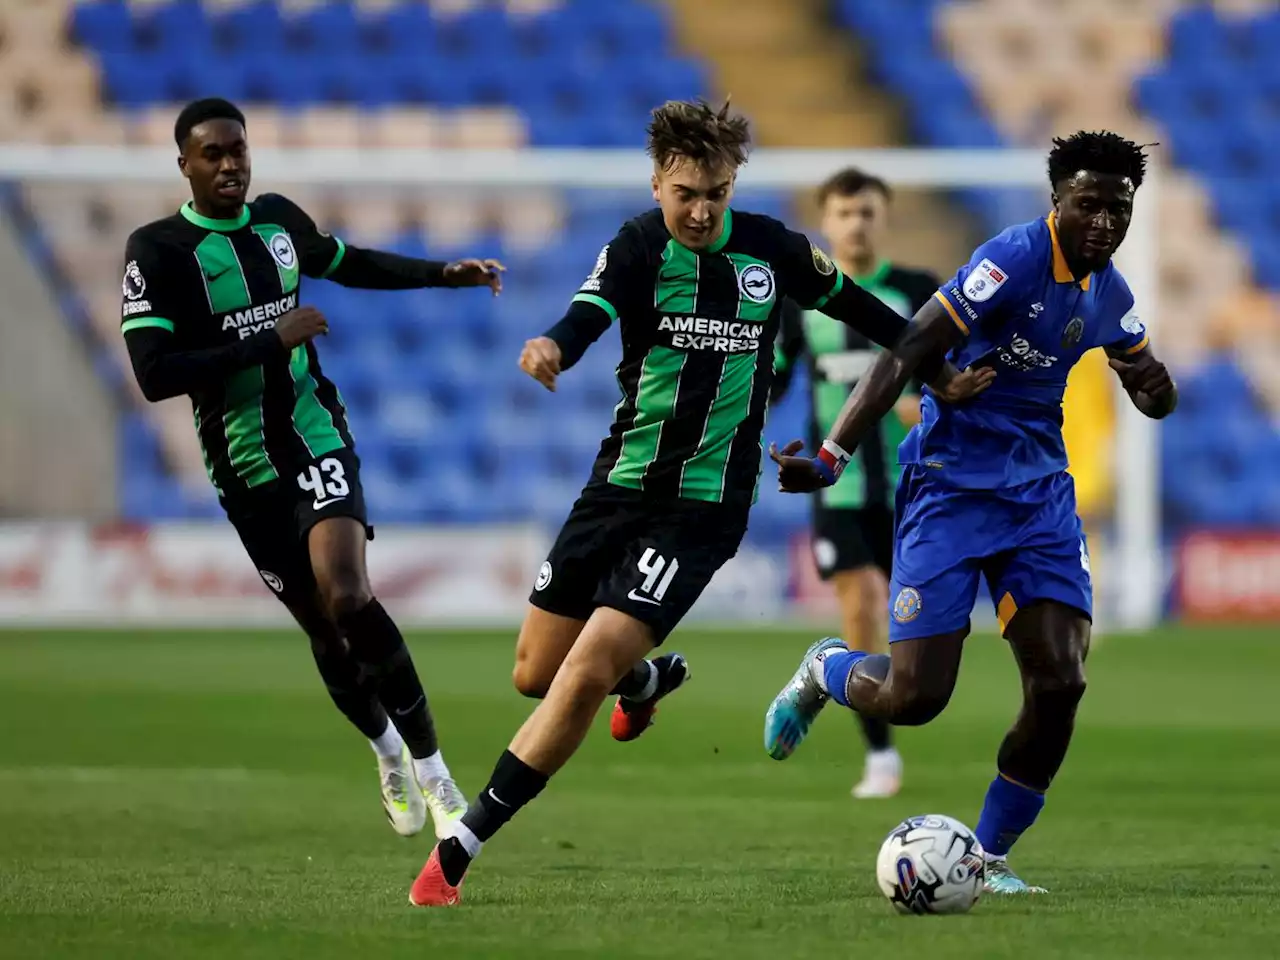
194	795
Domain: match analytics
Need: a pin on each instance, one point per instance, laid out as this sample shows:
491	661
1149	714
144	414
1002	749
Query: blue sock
1010	808
836	667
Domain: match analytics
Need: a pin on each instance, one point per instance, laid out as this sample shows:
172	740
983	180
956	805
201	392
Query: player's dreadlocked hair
200	111
698	132
1101	152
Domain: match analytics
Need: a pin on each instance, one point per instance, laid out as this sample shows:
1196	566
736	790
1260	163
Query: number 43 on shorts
326	481
658	573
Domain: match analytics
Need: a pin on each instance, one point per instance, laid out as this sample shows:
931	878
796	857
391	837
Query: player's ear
657	190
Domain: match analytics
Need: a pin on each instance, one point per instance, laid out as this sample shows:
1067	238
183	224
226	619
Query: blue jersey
1024	314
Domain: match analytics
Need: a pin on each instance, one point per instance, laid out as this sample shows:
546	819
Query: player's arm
787	349
601	299
979	293
152	312
1146	380
326	257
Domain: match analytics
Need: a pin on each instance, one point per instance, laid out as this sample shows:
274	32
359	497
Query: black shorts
273	520
647	557
845	539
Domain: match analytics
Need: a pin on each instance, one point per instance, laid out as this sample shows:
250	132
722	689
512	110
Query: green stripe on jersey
600	302
246	445
242	421
655	402
311	421
160	323
337	258
703	475
676	289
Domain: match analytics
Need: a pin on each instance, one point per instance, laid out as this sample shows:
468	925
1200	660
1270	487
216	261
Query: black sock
513	784
352	693
878	733
377	644
635	681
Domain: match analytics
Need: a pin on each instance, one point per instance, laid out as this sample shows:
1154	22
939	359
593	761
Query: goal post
1131	595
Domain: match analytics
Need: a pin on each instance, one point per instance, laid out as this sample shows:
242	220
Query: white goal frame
1135	566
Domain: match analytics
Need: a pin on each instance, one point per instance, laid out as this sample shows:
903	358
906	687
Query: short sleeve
319	252
808	275
996	276
614	280
149	294
1122	330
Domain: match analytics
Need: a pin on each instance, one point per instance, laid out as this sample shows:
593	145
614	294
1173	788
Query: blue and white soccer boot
793	711
1002	880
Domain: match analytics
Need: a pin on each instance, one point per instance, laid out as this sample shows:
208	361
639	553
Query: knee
1058	689
528	679
345	593
587	680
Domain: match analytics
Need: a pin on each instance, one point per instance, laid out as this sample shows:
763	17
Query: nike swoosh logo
635	596
494	797
408	710
321	504
211	277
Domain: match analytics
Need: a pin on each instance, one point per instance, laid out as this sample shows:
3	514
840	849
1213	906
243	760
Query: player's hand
540	359
298	326
475	273
1145	375
966	383
797	474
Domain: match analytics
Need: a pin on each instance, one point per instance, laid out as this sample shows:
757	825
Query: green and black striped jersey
211	283
698	331
837	357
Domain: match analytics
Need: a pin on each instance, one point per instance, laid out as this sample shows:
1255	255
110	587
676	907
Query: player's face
1093	212
855	225
216	161
693	200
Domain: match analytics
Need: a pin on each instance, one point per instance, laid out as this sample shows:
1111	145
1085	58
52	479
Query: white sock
390	745
470	842
431	768
818	675
994	858
650	686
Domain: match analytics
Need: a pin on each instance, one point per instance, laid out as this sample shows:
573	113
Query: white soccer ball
931	864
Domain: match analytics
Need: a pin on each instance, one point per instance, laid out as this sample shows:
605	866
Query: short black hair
200	111
695	130
1100	152
850	181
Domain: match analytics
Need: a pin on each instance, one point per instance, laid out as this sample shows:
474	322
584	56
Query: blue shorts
1026	540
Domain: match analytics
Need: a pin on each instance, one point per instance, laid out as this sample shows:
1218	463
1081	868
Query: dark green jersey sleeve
320	253
151	294
618	275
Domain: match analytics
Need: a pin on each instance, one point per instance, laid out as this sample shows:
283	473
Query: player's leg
355	694
860	557
1044	602
337	548
934	591
657	580
267	526
563	599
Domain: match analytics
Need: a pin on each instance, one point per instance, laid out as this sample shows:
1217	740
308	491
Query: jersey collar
725	229
208	223
1061	272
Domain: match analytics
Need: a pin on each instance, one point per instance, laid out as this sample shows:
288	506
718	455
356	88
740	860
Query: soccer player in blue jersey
984	489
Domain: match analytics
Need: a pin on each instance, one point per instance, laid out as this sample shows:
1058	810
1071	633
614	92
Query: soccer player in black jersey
212	309
695	288
853	519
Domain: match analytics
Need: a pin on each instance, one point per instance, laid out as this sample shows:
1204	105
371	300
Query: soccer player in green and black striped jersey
695	289
853	519
212	309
